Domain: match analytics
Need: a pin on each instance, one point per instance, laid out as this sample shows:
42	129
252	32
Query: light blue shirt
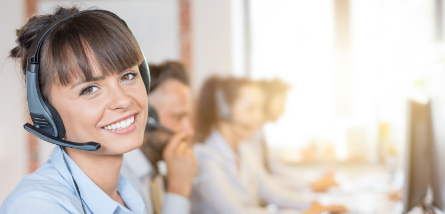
51	190
137	169
227	182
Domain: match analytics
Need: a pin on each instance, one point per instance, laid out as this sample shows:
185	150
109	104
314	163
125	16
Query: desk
363	188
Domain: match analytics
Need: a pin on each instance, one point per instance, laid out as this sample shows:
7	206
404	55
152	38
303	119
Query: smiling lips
123	124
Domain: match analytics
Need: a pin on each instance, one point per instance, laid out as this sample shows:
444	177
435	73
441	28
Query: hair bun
27	34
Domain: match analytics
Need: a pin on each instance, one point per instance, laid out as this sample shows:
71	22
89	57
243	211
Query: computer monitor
437	146
417	172
425	156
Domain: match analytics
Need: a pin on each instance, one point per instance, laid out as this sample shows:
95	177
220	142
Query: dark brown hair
207	107
168	70
75	47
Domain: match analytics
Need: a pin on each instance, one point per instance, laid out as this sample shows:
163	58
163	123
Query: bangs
86	44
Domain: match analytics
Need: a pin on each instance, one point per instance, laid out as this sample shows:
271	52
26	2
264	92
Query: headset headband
34	51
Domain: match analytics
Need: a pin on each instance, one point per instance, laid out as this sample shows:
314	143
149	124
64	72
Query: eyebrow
92	80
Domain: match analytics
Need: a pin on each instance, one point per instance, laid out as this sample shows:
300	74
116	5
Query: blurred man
167	141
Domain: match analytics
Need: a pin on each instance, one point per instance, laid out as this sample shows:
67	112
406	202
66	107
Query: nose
118	98
187	127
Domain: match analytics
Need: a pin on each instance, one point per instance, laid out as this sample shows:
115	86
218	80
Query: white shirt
221	187
51	190
137	169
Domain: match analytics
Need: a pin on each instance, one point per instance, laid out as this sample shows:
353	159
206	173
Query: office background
352	65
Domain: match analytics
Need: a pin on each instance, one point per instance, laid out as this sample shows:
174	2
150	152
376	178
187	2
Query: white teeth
121	124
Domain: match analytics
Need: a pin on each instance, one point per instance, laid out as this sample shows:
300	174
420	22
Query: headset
153	124
153	121
223	108
48	124
224	111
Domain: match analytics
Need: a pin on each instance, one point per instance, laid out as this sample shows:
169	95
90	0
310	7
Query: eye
89	89
128	76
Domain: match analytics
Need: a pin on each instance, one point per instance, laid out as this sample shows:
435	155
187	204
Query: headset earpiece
57	119
223	108
153	121
144	70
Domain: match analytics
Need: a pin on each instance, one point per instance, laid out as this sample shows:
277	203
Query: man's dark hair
168	70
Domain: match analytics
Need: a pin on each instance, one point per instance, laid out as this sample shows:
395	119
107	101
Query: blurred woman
275	93
229	111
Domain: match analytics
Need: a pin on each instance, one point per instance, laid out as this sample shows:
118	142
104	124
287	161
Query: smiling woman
92	86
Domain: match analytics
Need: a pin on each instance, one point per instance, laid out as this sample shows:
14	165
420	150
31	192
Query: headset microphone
153	121
89	146
48	124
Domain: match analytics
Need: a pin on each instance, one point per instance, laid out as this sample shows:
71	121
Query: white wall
13	149
217	39
217	31
155	23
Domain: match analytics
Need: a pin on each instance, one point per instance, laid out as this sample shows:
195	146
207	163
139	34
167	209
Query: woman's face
110	110
247	111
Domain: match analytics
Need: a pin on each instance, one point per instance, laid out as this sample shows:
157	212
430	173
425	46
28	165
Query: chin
248	134
122	146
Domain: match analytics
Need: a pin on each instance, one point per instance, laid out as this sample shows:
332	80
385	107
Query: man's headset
48	124
153	121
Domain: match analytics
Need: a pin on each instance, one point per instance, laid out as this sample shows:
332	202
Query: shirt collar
95	199
138	164
129	195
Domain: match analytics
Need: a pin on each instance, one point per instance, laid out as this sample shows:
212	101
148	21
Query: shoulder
211	164
206	154
39	192
208	158
135	164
